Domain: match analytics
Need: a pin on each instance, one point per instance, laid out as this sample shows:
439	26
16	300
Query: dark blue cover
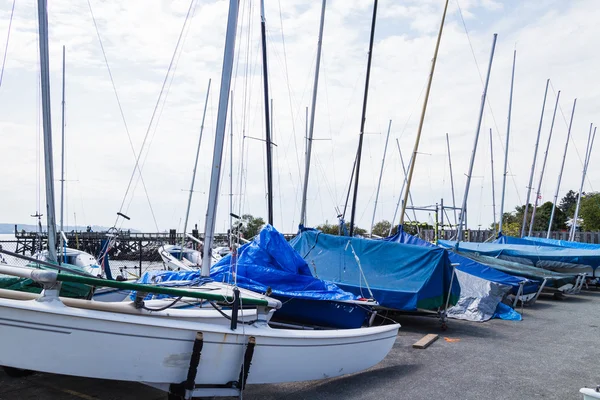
270	261
470	266
401	276
563	243
533	254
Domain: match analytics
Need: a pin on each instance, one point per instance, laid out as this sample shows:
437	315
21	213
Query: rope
7	40
360	268
112	81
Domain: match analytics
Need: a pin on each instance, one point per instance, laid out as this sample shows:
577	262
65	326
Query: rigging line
488	101
162	107
120	110
12	11
137	161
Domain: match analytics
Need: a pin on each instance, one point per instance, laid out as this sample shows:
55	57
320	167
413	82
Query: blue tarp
470	266
563	243
504	239
401	276
270	261
539	256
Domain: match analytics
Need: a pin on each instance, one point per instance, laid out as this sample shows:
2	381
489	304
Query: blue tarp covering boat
401	276
563	243
270	263
555	258
504	239
470	266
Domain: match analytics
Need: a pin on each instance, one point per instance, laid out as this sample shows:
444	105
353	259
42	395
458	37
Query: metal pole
512	82
493	183
47	126
562	167
403	185
189	204
267	117
363	119
472	162
451	180
231	162
416	147
309	136
62	157
537	142
539	187
588	151
380	175
213	195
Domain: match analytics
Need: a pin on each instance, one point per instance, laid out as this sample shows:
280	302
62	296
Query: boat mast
309	137
47	126
231	164
380	175
562	167
512	82
213	194
62	156
588	153
411	167
493	183
538	195
463	209
189	204
451	181
537	142
363	119
267	116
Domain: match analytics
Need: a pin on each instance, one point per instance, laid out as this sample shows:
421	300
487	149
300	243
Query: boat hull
51	337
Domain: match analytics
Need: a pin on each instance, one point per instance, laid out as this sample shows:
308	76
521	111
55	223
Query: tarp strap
362	274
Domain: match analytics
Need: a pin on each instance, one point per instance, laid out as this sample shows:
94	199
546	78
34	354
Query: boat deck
551	354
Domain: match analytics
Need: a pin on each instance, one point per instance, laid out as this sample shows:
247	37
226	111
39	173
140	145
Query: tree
335	229
590	211
250	226
567	204
542	218
382	228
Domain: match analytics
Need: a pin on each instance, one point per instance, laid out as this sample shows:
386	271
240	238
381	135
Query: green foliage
590	211
512	222
382	228
567	204
335	230
251	226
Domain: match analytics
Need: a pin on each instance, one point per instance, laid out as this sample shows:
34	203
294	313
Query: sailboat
179	354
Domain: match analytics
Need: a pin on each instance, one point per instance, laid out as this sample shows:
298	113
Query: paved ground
551	354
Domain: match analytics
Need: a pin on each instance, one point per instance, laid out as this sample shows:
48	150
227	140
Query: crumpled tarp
270	262
401	276
169	279
479	298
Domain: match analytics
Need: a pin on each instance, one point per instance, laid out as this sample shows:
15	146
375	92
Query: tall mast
451	180
588	153
267	116
463	209
47	126
562	167
537	142
512	82
411	167
493	183
231	162
403	186
309	137
363	119
213	195
539	187
380	175
189	204
62	156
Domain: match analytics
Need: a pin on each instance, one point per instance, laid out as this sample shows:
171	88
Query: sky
137	39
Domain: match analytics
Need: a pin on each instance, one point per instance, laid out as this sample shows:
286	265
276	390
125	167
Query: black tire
16	372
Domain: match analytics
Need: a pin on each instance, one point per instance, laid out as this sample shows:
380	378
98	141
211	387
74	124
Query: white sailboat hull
51	337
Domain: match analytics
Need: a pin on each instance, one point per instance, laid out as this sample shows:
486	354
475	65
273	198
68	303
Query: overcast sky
554	39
